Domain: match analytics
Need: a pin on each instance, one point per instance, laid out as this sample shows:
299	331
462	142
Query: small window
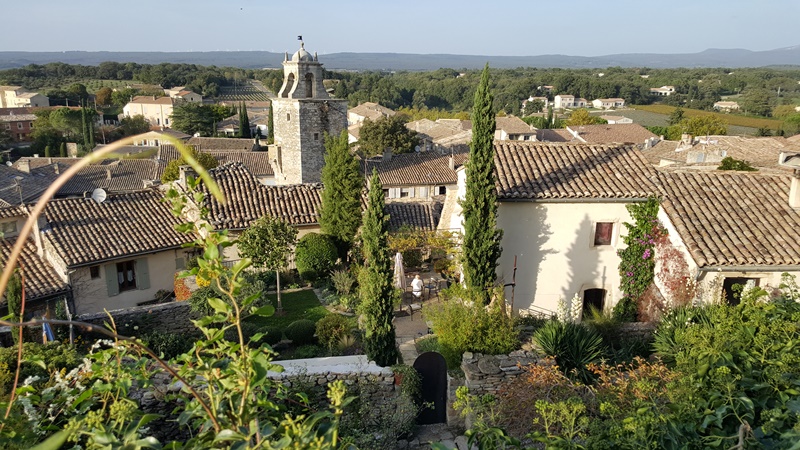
442	190
603	232
406	192
19	125
386	193
316	136
288	117
166	121
126	275
9	227
94	272
31	125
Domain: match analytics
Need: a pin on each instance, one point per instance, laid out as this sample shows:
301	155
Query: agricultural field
654	119
247	92
733	120
92	85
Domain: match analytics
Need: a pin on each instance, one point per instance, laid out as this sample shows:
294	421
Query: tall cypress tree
62	150
244	122
375	279
90	129
271	129
340	212
47	151
84	134
481	248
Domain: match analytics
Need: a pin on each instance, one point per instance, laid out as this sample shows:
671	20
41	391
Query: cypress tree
270	130
47	151
244	122
90	128
14	299
84	134
481	247
62	150
340	212
375	279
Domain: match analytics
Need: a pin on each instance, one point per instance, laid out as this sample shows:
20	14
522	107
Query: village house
441	135
157	111
154	138
19	126
257	164
19	97
512	128
182	94
663	91
564	101
615	120
606	134
608	103
368	110
707	152
224	144
259	123
416	176
726	106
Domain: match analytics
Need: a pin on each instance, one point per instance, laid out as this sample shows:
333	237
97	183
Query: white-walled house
416	176
562	101
561	209
608	103
156	110
115	254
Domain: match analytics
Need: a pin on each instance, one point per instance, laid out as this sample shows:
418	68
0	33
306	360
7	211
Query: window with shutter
111	280
142	274
603	233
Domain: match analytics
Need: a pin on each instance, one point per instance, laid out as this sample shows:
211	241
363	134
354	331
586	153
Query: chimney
387	154
794	190
56	169
185	172
108	174
24	165
451	163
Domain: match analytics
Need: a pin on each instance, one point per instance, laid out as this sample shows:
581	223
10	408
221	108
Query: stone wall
174	317
641	330
485	374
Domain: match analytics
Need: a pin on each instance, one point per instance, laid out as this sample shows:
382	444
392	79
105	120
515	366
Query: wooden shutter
142	274
111	279
180	263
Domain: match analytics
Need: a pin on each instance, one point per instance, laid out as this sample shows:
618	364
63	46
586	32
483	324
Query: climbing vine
637	261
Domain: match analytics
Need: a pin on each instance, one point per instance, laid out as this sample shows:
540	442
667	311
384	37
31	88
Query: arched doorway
593	299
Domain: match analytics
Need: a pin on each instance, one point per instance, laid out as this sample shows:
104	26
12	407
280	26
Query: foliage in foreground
730	379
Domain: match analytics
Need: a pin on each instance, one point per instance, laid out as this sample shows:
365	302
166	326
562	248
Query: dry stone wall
486	374
175	317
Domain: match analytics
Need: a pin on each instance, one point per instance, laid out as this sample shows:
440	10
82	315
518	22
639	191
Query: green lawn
296	305
730	119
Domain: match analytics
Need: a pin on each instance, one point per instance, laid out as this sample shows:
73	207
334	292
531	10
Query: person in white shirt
416	286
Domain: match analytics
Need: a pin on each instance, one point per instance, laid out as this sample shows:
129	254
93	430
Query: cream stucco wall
91	295
556	257
156	114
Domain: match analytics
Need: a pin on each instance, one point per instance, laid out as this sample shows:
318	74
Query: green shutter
180	263
142	274
111	279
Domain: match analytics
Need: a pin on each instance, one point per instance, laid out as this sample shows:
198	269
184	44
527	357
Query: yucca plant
572	345
668	335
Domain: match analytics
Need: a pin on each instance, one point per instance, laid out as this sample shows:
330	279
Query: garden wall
485	374
174	317
641	330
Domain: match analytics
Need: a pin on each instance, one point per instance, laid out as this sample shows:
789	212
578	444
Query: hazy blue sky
515	27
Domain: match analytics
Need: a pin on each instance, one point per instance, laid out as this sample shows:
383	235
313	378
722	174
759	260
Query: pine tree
62	151
47	151
375	279
244	122
271	129
481	248
340	213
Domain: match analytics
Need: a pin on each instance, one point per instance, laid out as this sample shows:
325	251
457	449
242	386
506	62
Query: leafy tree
172	171
676	116
78	92
103	96
131	126
268	243
121	97
481	248
244	122
375	279
534	106
757	101
704	125
193	118
387	132
729	163
582	117
5	138
340	212
783	111
14	299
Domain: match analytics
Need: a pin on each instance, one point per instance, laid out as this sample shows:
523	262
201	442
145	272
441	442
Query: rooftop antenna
99	195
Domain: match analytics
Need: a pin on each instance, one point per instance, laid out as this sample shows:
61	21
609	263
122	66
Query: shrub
249	330
462	327
301	332
54	355
573	346
729	163
428	343
169	345
308	351
272	334
412	257
343	281
315	256
669	339
625	310
331	329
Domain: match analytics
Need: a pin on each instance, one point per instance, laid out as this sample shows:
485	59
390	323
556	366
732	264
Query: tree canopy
387	132
172	171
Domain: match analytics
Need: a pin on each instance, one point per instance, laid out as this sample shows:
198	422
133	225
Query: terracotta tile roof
795	138
149	100
513	125
13	211
41	279
623	133
417	169
733	219
557	135
18	118
222	144
372	111
115	175
15	184
564	171
256	162
35	163
249	200
761	152
417	215
85	232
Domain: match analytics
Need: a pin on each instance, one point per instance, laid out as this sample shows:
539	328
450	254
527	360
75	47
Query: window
732	288
30	125
442	190
406	192
8	227
603	232
316	136
288	117
94	272
19	125
166	121
126	275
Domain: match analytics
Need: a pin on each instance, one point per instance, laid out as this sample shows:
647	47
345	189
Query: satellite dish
8	163
417	149
99	195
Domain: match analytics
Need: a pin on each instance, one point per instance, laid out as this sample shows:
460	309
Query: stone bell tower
302	114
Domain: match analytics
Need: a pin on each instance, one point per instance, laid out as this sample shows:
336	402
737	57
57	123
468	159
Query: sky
466	27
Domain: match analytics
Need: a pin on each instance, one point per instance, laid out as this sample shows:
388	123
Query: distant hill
788	56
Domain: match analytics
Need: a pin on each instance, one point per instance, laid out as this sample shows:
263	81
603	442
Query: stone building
303	115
